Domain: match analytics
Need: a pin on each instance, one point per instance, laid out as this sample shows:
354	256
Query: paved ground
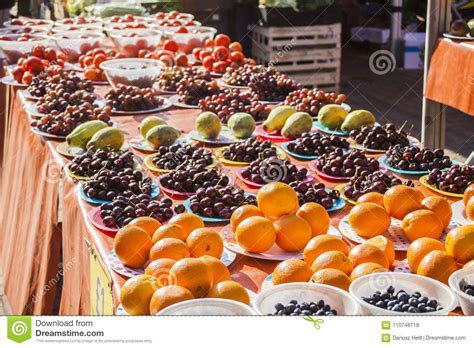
396	97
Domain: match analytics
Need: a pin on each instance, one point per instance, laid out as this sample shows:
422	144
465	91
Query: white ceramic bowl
338	299
75	43
466	301
188	41
138	72
208	306
367	285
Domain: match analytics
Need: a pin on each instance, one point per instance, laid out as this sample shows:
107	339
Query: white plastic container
338	299
208	306
367	285
195	38
466	301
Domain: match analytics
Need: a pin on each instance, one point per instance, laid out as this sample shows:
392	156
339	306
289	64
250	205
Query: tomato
170	45
34	64
196	53
209	43
38	50
220	53
17	73
49	54
60	62
81	60
142	53
181	59
92	74
96	51
27	77
167	60
85	47
88	61
222	40
237	56
207	62
235	46
161	53
182	30
149	55
219	67
99	58
142	44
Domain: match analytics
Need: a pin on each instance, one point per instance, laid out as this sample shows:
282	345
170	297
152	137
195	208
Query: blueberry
413	310
396	308
293	302
405	307
320	312
416	294
390	289
307	312
392	303
402	296
429	309
384	296
290	308
326	308
423	299
279	306
432	303
413	301
381	304
313	307
421	307
366	299
297	311
321	303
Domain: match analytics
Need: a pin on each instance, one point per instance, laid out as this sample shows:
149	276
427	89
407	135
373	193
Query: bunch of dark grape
123	209
340	164
219	201
414	158
249	150
312	100
132	98
55	102
263	171
64	123
179	156
108	184
315	193
191	91
294	308
62	82
375	182
241	75
271	85
181	181
454	180
229	102
169	80
316	144
90	163
380	137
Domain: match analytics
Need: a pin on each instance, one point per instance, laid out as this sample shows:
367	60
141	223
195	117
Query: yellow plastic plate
424	182
148	162
280	153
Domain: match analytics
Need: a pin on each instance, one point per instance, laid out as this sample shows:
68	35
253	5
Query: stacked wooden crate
310	55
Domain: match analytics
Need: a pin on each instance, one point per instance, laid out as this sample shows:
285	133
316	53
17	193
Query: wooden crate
326	81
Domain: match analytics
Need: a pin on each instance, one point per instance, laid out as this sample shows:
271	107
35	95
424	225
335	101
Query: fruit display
108	138
132	98
90	62
372	182
191	91
169	80
286	121
208	125
55	102
183	157
82	134
65	81
228	102
293	308
316	144
182	180
454	180
312	100
162	135
16	44
380	137
219	201
332	116
357	120
316	193
242	75
340	164
414	158
169	56
90	163
242	125
266	170
402	301
108	184
271	85
249	150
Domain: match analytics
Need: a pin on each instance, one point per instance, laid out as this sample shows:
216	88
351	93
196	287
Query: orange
292	232
469	209
460	243
420	248
363	253
228	289
217	268
384	244
333	259
171	248
400	200
193	275
291	271
469	264
147	223
316	216
243	212
167	296
132	246
169	231
276	199
321	244
440	207
205	241
468	193
160	269
422	223
333	277
369	219
437	265
188	222
136	294
255	234
366	268
371	197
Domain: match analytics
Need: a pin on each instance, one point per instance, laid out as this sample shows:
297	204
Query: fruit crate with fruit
310	55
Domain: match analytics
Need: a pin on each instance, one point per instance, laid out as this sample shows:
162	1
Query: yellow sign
100	289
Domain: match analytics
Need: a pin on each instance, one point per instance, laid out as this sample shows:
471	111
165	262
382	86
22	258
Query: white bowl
208	306
188	41
46	24
75	43
96	22
74	28
466	301
14	50
367	285
138	72
130	45
338	299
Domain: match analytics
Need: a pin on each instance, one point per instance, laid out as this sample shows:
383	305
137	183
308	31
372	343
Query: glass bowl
138	72
195	38
129	42
14	49
74	44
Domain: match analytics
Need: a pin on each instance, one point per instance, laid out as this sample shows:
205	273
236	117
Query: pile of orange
279	220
